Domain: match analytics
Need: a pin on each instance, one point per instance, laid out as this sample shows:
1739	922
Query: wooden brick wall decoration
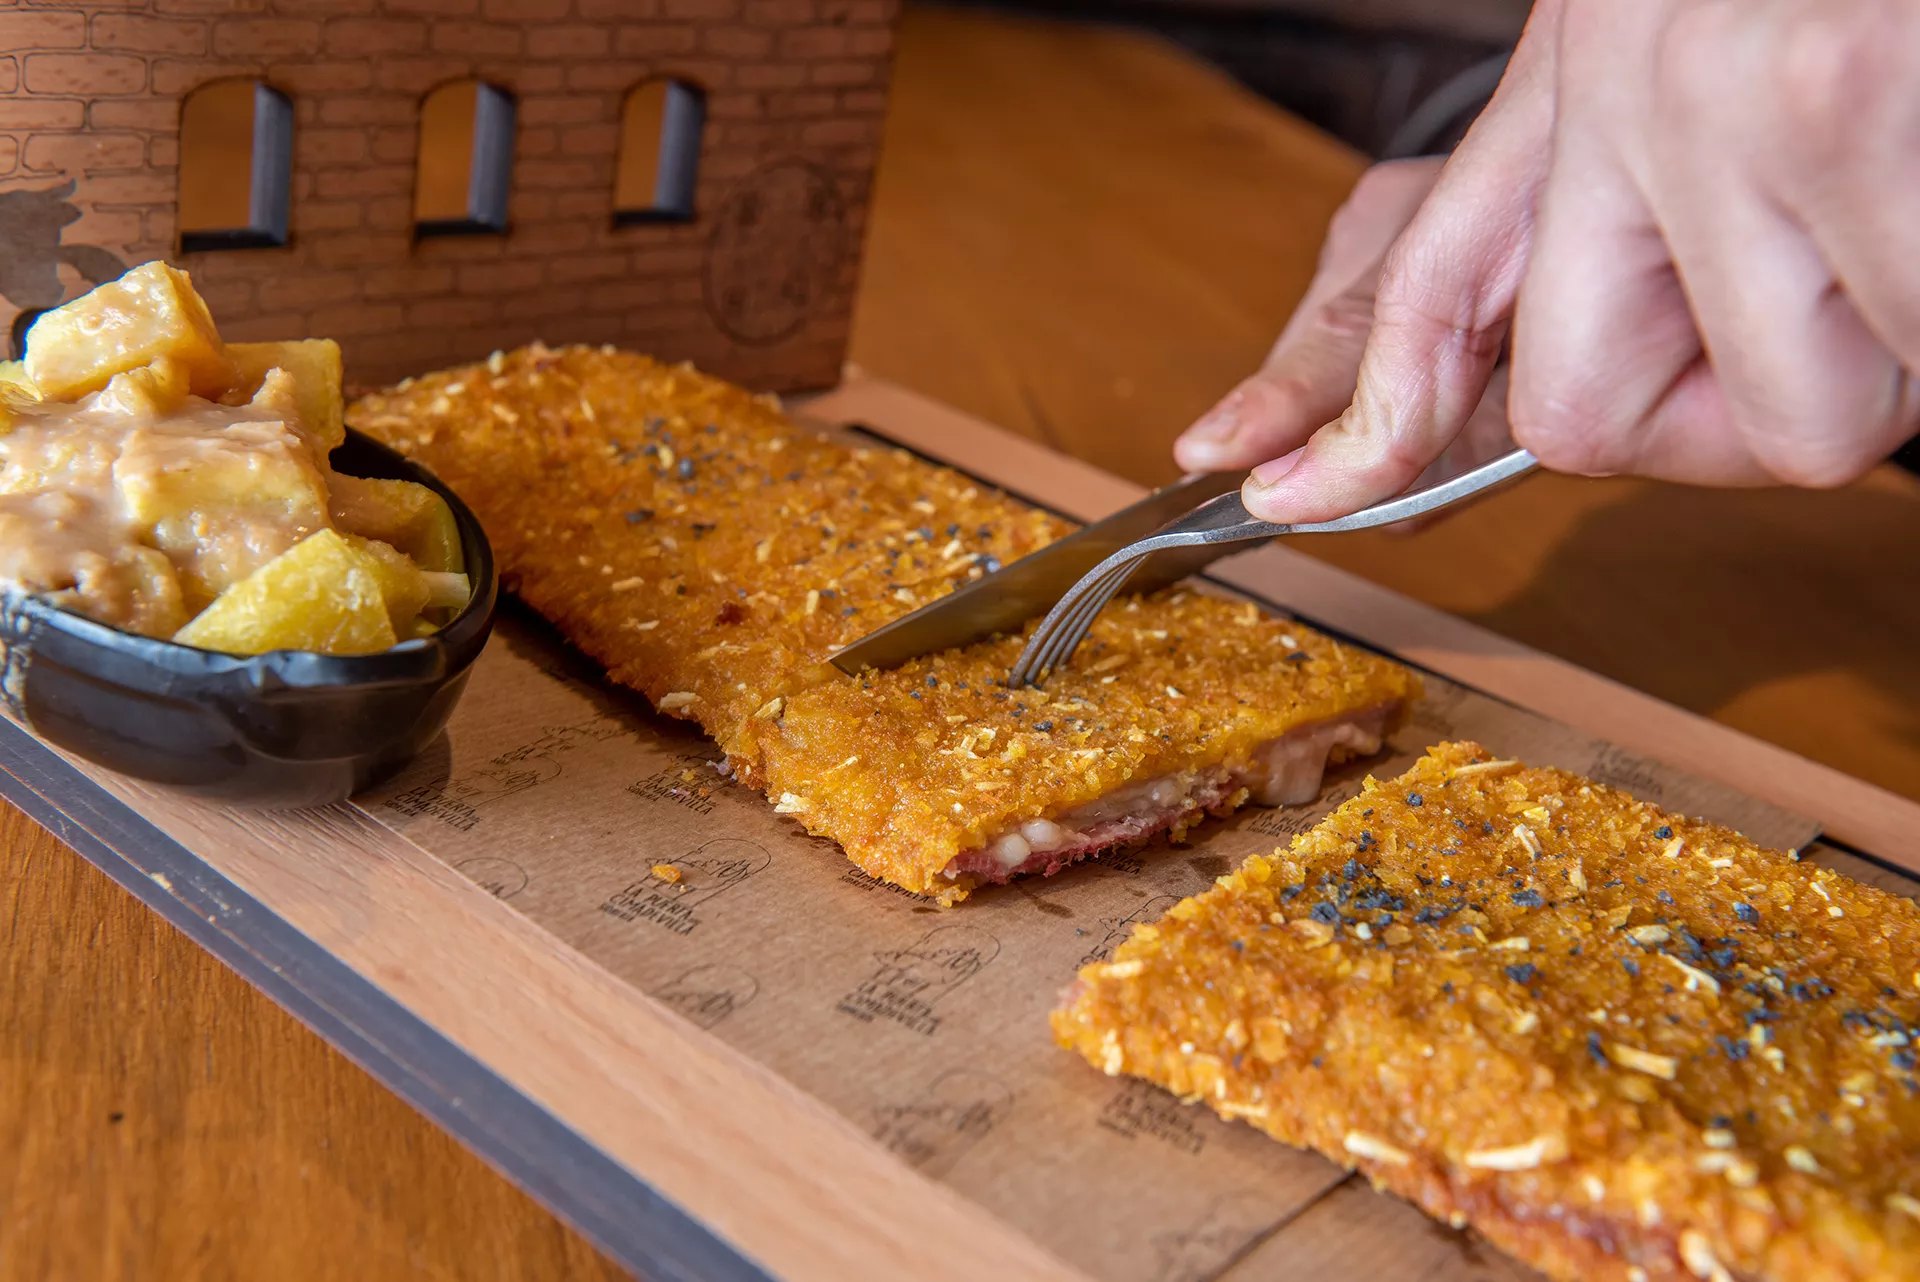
756	285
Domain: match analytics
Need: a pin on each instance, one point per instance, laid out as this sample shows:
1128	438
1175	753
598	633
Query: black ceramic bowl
287	728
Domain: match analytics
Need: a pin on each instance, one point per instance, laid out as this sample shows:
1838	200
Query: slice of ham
1283	772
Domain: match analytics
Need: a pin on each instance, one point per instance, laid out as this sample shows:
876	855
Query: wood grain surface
161	1119
1085	237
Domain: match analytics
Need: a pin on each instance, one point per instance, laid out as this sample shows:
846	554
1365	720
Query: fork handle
1226	519
1509	466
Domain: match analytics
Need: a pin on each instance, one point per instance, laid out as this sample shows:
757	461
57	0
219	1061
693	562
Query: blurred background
1358	69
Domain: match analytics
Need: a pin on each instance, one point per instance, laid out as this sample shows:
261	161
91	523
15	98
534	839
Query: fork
1210	532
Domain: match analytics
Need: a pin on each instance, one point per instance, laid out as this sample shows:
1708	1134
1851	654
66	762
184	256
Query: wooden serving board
778	1067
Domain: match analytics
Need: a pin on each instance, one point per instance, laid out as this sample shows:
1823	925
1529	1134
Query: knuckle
1834	69
1283	401
1401	458
1378	445
1813	462
1346	315
1567	434
1269	396
1691	58
1427	285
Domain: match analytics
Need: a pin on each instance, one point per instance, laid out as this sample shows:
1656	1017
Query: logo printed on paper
853	875
501	878
688	782
935	1129
708	994
1118	928
706	873
456	802
908	981
1140	1109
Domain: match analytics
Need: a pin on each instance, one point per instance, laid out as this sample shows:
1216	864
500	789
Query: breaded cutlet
712	554
1619	1043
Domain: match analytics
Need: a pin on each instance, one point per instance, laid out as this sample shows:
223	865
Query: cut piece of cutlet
1621	1044
712	554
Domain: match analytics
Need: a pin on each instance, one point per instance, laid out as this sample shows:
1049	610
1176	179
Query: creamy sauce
138	516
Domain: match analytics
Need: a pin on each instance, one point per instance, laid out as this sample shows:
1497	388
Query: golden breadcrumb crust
1616	1041
712	554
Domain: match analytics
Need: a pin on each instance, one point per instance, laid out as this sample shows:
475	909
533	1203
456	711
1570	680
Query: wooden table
1085	237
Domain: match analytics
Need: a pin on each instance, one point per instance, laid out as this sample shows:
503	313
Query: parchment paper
925	1026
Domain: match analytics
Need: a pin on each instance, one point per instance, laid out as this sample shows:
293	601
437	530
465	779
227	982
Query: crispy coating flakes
711	554
1620	1043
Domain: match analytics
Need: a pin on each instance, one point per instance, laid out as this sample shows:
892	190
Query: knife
1006	599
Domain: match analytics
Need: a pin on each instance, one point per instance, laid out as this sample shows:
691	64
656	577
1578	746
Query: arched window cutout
659	153
236	166
21	324
466	160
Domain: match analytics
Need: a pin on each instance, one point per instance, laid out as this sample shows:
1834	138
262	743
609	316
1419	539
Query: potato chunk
16	384
321	595
220	502
148	393
133	588
314	365
122	325
402	585
16	392
411	517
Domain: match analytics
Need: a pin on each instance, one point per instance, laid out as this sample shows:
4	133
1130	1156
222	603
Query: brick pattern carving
90	95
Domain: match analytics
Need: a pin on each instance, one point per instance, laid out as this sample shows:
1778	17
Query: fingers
1607	363
1833	139
1609	372
1831	179
1485	437
1806	389
1309	376
1675	323
1445	298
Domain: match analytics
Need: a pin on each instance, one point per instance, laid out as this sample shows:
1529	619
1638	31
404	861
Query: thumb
1443	307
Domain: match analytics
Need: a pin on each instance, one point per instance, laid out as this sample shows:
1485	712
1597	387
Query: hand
1309	375
1691	216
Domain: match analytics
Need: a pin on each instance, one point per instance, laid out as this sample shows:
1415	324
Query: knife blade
1006	599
